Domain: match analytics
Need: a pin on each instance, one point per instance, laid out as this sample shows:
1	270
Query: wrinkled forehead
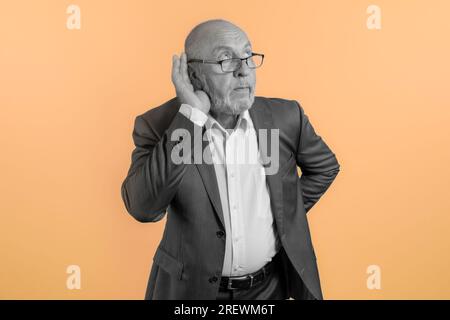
217	38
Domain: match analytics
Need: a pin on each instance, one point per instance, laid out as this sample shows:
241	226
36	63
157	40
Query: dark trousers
274	287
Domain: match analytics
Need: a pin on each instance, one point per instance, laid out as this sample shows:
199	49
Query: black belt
249	280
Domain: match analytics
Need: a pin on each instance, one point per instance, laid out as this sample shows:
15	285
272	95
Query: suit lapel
262	119
208	175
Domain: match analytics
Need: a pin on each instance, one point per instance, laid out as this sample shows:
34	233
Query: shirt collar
244	122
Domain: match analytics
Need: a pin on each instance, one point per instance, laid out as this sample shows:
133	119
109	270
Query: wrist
194	114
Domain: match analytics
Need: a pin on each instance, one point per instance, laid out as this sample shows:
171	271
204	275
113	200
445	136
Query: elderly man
232	232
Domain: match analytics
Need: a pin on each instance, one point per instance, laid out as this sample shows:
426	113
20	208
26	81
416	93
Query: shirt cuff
193	114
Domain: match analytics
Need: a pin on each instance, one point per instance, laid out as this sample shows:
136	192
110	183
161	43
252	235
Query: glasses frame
224	60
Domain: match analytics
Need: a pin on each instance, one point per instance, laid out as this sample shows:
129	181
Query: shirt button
213	279
220	234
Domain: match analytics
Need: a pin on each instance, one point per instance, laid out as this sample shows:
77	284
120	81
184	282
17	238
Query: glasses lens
255	61
231	65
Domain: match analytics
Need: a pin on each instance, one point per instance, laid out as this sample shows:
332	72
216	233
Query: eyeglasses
230	65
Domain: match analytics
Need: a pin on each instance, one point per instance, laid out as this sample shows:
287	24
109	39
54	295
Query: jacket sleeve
153	177
318	163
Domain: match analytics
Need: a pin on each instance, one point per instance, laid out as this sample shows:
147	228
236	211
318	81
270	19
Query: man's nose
243	71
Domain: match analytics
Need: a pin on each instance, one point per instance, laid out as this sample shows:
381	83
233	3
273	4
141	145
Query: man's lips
242	89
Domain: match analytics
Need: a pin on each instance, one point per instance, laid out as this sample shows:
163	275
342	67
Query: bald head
205	36
230	92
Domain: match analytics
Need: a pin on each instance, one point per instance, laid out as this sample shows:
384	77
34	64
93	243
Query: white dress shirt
251	237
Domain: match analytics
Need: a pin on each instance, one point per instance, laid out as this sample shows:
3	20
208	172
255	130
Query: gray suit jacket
188	261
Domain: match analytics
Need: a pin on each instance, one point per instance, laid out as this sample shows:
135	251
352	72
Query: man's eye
225	56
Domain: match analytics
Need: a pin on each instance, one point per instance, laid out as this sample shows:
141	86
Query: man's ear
196	83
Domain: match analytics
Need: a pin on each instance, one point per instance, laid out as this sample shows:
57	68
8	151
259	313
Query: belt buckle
229	286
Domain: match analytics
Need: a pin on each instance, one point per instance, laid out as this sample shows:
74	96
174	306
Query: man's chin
234	108
242	105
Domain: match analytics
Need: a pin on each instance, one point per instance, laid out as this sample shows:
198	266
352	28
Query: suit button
213	279
220	234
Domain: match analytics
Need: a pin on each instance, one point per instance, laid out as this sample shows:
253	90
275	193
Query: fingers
183	68
180	76
175	69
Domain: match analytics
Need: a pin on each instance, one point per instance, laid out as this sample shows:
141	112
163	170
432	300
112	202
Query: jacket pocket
168	263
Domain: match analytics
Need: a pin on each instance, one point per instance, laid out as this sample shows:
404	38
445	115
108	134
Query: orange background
68	98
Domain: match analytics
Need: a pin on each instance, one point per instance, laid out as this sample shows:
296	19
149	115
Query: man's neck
227	121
